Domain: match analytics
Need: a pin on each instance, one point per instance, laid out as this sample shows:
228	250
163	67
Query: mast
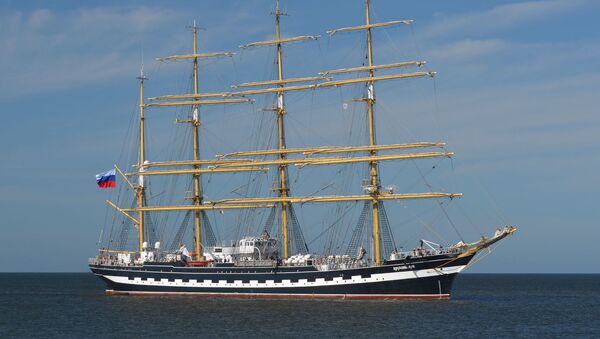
284	156
195	124
142	158
280	110
195	103
372	142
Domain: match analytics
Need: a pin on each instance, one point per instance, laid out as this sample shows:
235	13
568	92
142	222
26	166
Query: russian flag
107	179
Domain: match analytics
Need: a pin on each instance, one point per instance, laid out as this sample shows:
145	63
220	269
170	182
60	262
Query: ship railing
253	263
113	259
325	263
425	252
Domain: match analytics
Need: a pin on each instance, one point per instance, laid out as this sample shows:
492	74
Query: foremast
374	189
140	189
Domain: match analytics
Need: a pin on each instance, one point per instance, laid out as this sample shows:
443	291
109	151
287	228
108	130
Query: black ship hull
412	278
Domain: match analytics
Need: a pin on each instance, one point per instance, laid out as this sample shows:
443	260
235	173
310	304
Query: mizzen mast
195	123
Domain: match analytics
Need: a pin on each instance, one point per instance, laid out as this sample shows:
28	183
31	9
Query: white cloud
500	17
468	48
44	51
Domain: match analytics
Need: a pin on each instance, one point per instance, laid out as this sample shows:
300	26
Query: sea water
481	305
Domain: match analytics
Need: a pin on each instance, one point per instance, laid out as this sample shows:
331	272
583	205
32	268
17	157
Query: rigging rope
300	246
387	236
208	238
183	227
357	234
438	201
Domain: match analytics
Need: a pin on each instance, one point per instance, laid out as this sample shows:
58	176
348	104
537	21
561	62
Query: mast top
195	55
142	76
278	11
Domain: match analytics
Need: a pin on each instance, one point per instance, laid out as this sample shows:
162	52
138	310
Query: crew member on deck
185	254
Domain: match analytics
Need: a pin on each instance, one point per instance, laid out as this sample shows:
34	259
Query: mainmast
372	141
142	158
283	185
283	189
197	198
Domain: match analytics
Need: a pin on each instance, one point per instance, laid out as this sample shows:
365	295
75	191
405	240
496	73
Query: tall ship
168	241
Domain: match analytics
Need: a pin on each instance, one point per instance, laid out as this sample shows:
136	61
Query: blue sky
515	97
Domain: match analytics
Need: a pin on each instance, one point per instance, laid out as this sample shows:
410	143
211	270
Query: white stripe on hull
286	295
337	281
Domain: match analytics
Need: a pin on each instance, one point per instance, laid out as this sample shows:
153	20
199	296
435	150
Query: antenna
141	77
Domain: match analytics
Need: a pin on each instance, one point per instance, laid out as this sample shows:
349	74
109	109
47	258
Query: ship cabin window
218	250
